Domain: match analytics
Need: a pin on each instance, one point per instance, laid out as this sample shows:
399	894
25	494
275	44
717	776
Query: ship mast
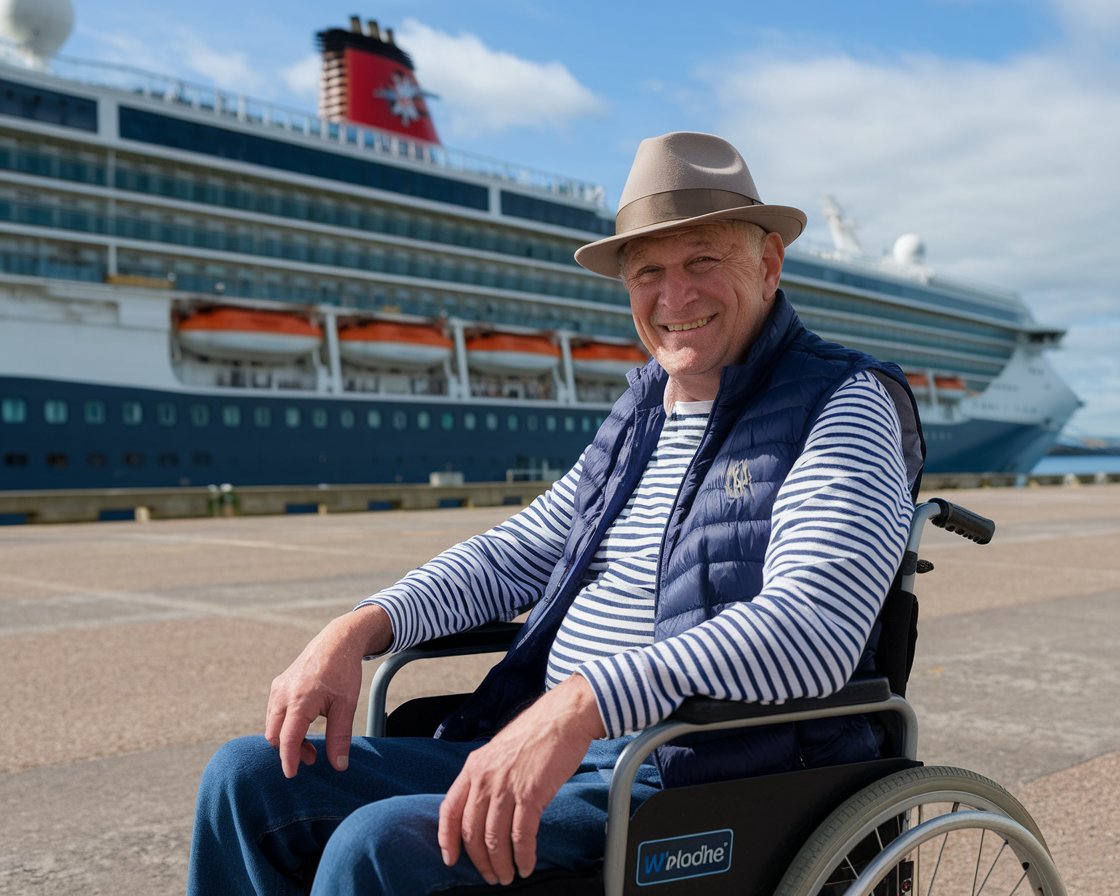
843	230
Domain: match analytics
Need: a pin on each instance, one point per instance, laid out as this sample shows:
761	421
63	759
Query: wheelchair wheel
934	831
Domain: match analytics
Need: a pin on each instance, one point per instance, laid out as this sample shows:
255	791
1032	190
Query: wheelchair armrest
489	638
494	637
705	711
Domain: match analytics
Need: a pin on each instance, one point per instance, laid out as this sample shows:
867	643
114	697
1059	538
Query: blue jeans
371	829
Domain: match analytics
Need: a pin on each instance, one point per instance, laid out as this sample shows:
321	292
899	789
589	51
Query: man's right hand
324	680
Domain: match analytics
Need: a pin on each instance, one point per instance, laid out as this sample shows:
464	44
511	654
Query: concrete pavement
129	651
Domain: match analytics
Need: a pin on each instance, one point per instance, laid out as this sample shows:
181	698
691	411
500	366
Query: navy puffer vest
716	538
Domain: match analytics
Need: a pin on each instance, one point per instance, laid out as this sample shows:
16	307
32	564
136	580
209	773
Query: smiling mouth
691	325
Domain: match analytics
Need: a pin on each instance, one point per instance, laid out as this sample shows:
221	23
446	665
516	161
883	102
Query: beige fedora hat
684	179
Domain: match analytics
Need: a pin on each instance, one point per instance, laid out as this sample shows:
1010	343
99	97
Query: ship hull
193	439
183	438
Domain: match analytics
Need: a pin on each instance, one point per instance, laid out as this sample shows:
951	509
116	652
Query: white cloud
229	70
301	79
484	92
1006	170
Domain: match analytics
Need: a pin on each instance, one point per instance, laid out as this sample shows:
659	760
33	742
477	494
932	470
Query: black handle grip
962	521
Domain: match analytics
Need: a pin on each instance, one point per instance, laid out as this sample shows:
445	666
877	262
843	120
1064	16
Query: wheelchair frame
894	792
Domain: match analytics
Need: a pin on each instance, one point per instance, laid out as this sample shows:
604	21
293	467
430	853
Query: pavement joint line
250	543
138	597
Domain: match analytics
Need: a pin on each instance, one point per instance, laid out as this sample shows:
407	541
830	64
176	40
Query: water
1078	464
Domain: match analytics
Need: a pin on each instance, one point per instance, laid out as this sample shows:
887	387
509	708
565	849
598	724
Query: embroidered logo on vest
737	480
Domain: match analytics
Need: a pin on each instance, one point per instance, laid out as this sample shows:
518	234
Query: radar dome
909	249
37	27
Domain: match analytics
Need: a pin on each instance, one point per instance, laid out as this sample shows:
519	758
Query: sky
991	128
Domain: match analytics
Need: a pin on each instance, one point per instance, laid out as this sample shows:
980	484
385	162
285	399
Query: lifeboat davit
242	334
505	353
606	361
381	343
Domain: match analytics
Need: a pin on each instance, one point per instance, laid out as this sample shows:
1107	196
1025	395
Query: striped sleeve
839	528
489	577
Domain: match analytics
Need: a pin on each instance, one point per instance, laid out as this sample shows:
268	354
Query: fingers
293	735
340	729
450	834
523	837
498	834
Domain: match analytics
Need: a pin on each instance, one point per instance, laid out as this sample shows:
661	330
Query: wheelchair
886	827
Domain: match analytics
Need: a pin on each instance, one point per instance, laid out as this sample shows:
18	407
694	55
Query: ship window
201	459
96	459
319	418
423	420
48	106
373	419
569	424
95	411
469	420
447	420
262	417
512	422
131	412
15	459
166	413
134	459
346	418
55	410
550	423
58	461
587	424
13	410
168	459
491	422
400	419
200	415
231	415
291	417
533	422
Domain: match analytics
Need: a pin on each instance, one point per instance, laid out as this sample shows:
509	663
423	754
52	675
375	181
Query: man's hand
495	805
324	680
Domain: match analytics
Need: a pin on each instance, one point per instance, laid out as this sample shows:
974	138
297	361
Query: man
731	532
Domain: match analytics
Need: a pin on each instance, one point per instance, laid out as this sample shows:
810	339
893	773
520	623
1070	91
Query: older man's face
699	299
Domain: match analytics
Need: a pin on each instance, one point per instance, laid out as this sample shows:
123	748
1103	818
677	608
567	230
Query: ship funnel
367	79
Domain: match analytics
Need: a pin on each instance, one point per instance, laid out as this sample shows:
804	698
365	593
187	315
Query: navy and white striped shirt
839	527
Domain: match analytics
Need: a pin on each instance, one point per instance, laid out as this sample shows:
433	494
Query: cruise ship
199	288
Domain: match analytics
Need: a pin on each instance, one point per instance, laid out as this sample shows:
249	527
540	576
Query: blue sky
989	127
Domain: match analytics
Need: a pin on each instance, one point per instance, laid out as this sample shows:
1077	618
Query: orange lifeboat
919	384
381	343
606	361
242	334
505	353
950	387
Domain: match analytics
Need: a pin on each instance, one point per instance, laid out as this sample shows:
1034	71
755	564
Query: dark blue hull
62	435
56	435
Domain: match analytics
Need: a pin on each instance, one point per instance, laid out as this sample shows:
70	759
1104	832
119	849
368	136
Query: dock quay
130	652
59	506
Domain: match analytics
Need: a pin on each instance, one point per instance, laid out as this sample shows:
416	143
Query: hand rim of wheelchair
903	792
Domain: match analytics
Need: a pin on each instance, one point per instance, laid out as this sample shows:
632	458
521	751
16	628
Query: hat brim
601	256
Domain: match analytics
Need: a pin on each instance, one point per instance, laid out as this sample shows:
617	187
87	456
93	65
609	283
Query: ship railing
265	113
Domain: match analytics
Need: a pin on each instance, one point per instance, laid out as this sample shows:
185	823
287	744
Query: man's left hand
494	807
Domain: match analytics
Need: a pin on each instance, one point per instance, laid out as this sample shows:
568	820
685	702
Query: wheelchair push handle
962	521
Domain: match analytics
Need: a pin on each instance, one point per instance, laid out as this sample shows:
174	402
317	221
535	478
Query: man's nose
678	289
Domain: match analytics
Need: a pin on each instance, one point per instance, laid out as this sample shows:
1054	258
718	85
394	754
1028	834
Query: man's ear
773	254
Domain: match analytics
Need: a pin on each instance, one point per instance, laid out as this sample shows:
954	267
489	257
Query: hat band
676	205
